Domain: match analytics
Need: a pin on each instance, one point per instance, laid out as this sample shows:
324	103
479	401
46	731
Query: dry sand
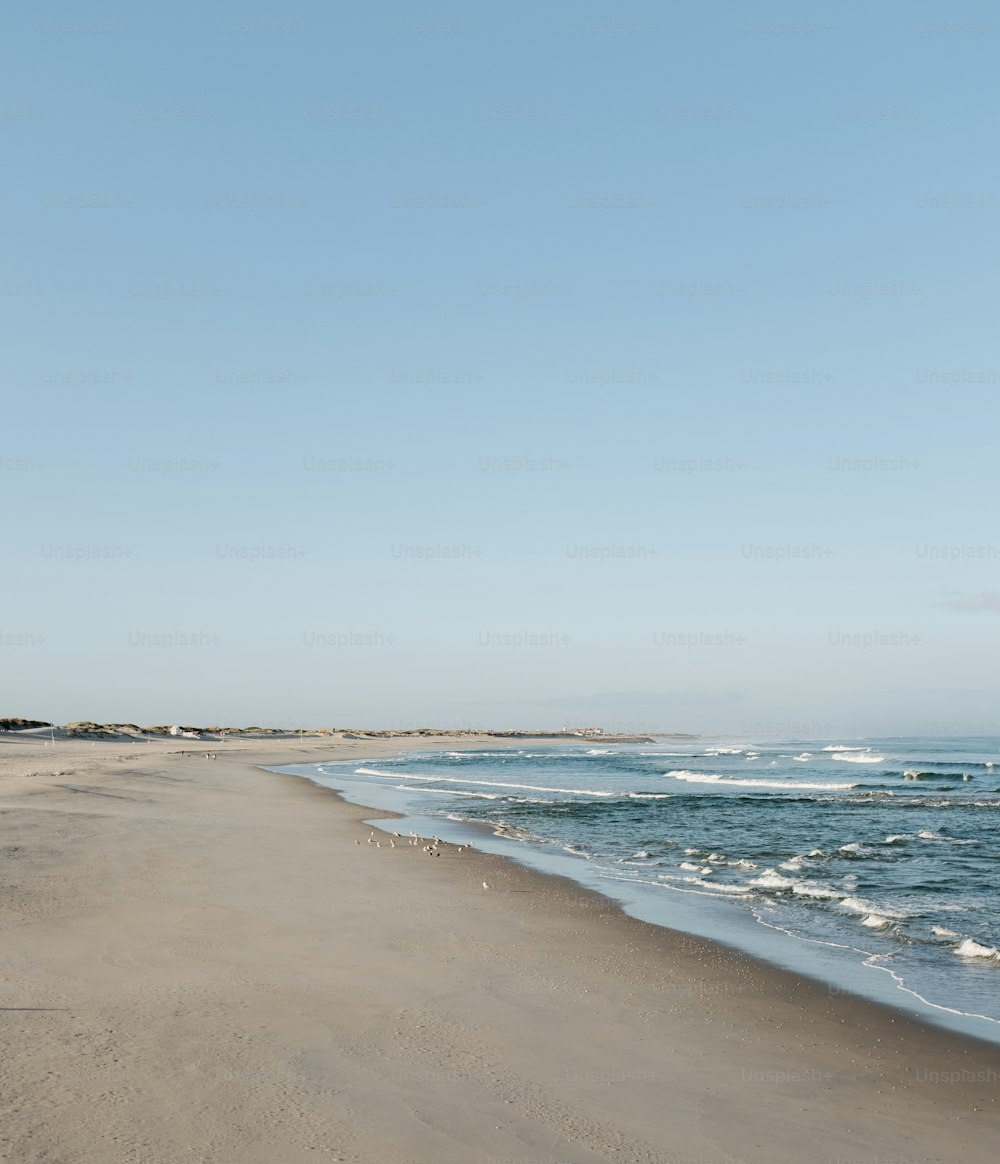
199	964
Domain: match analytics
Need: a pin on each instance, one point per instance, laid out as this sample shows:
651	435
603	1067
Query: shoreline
790	955
713	947
190	936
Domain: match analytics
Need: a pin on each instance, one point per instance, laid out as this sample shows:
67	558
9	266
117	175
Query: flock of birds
433	849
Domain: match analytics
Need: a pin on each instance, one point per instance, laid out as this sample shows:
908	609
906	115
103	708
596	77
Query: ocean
870	864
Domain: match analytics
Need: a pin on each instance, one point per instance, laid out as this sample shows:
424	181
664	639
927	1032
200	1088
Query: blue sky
470	365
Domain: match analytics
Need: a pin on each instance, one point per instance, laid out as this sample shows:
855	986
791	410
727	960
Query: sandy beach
200	964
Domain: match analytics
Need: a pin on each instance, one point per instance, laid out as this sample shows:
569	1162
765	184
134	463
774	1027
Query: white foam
857	849
490	755
858	758
878	962
737	889
805	756
739	782
894	838
842	748
858	905
480	783
812	889
474	795
875	921
941	932
643	853
772	879
930	835
742	864
793	864
690	866
941	802
971	949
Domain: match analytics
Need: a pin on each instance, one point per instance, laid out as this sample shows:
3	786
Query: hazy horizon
628	713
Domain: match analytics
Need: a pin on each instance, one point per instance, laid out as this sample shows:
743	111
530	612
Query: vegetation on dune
86	727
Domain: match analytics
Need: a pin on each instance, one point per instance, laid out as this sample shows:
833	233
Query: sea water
870	864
